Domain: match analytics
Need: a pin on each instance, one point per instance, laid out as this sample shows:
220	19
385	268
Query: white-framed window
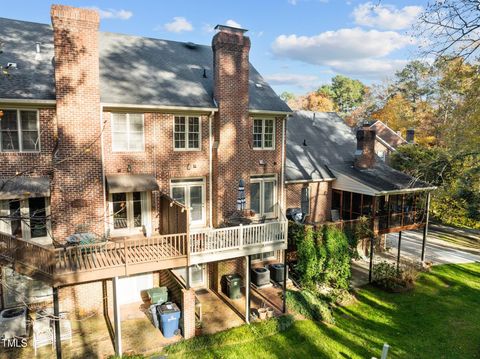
262	195
130	212
187	133
19	131
263	256
264	134
191	193
305	200
128	132
26	218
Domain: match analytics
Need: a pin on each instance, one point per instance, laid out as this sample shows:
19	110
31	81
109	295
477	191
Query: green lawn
440	319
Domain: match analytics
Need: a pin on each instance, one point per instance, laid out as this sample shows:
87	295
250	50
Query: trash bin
233	285
154	313
158	295
169	316
276	272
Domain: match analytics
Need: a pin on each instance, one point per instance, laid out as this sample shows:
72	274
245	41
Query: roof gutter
18	101
269	112
158	107
406	190
310	180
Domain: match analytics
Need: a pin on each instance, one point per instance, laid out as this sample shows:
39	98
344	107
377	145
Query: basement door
130	288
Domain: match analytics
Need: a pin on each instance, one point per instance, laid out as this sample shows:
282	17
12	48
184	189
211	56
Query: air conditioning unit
13	323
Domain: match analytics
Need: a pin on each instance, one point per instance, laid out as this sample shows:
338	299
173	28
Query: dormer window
19	131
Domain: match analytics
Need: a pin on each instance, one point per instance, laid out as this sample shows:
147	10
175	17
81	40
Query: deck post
116	318
56	313
398	251
284	289
425	229
247	289
372	242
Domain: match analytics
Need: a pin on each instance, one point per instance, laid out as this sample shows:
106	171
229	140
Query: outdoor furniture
42	333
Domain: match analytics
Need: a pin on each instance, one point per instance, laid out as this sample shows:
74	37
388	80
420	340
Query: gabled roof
133	70
387	135
329	154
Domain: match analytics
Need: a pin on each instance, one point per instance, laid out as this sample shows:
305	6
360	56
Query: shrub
309	264
309	305
385	275
337	271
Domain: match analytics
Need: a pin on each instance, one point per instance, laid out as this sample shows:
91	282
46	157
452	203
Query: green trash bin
158	295
233	284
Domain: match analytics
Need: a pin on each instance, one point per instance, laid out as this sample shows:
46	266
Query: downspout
282	174
210	169
105	209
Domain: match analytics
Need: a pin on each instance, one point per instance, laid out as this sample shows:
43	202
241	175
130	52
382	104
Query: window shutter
305	200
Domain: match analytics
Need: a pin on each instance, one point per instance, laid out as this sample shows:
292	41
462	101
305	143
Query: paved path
437	251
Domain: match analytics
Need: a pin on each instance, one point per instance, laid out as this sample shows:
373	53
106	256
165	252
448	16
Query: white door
130	288
263	196
191	193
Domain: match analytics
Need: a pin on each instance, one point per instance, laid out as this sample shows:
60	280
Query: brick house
145	143
332	173
387	140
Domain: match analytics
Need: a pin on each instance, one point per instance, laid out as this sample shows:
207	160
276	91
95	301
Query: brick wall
320	199
77	192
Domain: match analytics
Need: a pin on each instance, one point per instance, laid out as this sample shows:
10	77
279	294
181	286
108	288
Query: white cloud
179	24
292	2
351	50
233	23
303	81
208	28
386	16
120	14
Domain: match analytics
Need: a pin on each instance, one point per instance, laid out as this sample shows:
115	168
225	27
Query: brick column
188	313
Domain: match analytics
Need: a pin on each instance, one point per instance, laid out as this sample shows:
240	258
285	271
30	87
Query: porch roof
120	183
22	186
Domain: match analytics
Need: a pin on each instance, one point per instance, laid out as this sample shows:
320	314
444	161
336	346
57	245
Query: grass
439	319
458	240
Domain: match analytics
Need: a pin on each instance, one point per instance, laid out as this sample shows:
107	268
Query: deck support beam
398	250
425	229
284	289
116	318
247	289
56	313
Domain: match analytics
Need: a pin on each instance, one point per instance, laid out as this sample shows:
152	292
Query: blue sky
297	45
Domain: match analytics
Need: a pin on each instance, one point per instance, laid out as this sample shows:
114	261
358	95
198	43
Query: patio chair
65	329
42	333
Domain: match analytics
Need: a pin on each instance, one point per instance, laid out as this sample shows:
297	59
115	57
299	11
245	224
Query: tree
315	101
450	27
287	96
345	92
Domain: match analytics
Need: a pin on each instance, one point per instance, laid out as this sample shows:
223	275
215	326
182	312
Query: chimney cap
230	28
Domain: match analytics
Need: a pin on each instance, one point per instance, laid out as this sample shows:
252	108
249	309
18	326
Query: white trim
186	183
127	116
157	107
282	168
130	230
187	148
388	128
20	130
104	189
263	148
310	180
210	169
268	112
27	101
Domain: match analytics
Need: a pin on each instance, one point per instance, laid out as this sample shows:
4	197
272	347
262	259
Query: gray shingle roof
330	145
133	70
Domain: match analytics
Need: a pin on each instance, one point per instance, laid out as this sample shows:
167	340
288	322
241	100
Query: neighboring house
387	140
332	173
141	141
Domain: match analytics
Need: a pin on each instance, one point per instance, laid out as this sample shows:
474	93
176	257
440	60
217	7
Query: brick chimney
365	153
77	194
231	74
410	135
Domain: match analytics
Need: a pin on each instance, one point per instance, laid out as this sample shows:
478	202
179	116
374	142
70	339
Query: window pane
10	140
137	209
257	133
38	219
136	122
193	140
269	126
120	141
179	124
196	203
179	140
196	274
136	141
255	197
268	196
119	122
178	194
30	141
268	138
28	120
119	210
257	140
193	124
9	120
16	218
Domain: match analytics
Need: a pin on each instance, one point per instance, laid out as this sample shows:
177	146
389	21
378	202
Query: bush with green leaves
309	304
337	271
386	276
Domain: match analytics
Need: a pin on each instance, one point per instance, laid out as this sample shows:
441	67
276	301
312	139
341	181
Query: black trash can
277	271
232	286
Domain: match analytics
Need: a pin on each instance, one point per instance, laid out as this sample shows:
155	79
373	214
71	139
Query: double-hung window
191	193
263	134
262	195
19	131
127	132
186	133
